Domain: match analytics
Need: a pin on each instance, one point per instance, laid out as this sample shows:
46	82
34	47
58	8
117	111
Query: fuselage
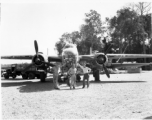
69	56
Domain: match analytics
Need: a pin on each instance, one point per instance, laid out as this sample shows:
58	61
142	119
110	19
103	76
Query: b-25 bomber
70	55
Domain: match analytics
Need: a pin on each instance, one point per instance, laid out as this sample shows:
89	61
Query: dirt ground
123	96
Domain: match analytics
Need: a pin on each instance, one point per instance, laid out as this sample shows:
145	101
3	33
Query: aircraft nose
69	58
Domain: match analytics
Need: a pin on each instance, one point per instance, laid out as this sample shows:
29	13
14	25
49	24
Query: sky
22	22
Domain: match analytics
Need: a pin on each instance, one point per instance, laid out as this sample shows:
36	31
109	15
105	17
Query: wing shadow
123	81
149	117
30	86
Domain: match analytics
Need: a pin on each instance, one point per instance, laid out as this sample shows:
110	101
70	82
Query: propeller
106	71
104	67
108	48
101	60
36	47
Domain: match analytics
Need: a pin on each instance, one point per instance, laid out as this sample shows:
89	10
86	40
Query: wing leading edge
121	65
117	56
24	57
29	57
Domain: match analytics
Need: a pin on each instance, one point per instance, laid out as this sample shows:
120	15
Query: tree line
129	31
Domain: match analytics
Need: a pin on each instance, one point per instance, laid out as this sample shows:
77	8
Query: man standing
72	76
86	71
55	76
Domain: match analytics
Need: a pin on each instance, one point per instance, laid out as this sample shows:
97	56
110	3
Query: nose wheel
42	76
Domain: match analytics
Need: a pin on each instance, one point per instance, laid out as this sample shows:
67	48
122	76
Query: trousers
86	77
72	81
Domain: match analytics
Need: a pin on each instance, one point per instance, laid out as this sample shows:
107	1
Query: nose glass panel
68	60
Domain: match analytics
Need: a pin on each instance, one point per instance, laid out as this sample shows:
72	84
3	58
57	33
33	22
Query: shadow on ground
123	81
149	117
29	85
26	86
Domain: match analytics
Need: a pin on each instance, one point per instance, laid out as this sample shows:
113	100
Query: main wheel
25	76
78	78
31	75
42	77
14	76
96	74
60	79
38	76
6	76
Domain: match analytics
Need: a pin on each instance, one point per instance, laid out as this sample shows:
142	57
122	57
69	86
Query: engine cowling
101	59
39	60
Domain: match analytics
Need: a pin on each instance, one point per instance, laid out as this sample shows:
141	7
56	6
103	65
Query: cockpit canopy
69	45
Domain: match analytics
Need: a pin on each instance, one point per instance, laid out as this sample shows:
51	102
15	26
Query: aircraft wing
29	57
117	56
86	57
55	58
25	57
121	65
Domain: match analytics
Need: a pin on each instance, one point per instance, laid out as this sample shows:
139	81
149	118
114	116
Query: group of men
71	75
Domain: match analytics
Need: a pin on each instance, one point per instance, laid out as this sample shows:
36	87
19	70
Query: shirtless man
72	76
55	75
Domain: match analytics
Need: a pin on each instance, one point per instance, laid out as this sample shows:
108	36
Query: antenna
47	51
123	53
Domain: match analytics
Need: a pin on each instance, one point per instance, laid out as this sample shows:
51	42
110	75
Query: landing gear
96	74
42	76
24	76
31	75
13	75
78	78
6	76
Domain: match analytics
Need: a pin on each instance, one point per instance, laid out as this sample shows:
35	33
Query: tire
59	79
67	81
42	77
38	76
14	76
96	75
31	75
78	78
25	76
6	76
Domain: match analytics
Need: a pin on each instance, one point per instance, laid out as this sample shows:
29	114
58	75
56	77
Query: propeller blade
36	46
106	71
108	48
28	67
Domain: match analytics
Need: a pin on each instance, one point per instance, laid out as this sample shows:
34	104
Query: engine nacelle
101	59
39	60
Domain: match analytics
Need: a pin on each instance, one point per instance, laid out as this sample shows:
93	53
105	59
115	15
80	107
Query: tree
73	37
125	26
90	31
141	8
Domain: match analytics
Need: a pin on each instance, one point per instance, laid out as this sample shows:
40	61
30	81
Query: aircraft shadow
149	117
30	86
123	81
34	86
37	86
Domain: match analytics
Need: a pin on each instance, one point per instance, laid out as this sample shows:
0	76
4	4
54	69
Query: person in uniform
86	71
72	76
56	75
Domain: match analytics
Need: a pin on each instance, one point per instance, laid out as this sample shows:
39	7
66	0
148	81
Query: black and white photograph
75	59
